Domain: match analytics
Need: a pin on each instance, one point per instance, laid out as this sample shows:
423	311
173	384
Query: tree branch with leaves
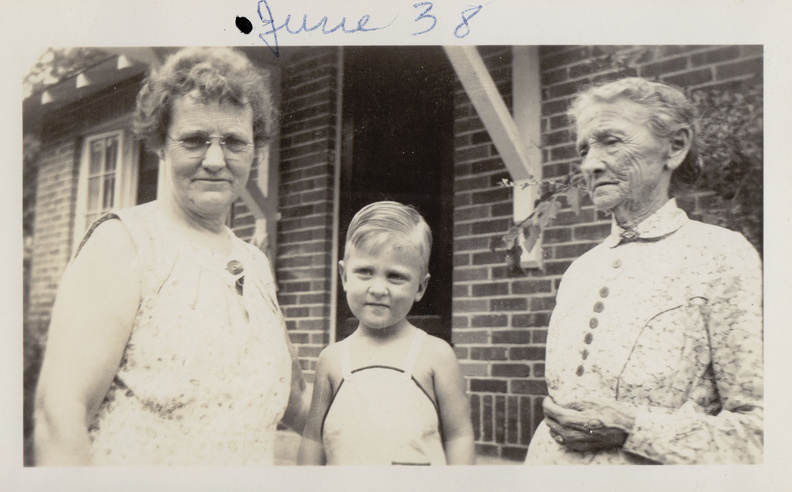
527	232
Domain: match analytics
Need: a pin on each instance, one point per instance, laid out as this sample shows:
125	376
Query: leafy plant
57	64
528	231
733	157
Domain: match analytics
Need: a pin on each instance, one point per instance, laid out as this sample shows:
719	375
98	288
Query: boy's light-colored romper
380	415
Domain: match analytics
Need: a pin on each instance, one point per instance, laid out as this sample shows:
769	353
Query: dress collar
666	220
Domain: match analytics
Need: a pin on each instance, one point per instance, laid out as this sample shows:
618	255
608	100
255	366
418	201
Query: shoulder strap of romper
346	358
413	352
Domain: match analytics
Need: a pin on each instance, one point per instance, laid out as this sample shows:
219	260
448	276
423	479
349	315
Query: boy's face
382	285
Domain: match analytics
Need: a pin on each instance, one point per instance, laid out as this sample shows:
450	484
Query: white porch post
516	138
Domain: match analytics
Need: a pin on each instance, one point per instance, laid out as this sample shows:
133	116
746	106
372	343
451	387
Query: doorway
398	122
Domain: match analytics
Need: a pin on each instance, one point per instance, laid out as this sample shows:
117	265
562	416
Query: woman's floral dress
206	374
670	323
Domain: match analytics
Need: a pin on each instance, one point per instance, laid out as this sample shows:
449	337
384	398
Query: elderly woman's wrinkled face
623	161
206	181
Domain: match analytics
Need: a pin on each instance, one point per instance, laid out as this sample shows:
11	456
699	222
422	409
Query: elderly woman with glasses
167	345
654	349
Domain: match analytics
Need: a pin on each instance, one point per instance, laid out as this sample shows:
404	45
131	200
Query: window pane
109	188
97	151
94	190
98	180
112	154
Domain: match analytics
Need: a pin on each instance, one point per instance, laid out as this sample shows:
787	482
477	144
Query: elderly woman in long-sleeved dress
654	350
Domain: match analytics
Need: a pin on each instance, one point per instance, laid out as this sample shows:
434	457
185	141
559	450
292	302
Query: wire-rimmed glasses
197	145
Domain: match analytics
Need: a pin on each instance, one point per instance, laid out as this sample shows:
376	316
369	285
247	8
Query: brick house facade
499	318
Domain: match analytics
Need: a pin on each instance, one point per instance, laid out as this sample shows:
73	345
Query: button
580	371
235	267
598	307
588	338
604	292
617	263
584	354
593	323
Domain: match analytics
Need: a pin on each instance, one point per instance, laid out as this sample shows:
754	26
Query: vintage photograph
215	237
336	245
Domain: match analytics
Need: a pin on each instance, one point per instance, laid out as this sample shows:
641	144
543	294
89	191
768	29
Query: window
108	177
102	164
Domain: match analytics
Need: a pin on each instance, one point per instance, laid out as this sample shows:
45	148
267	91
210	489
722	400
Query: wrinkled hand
588	426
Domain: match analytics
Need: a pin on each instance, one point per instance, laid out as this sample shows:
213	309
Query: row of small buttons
599	306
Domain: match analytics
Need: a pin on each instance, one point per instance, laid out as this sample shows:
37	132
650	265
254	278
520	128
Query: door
398	145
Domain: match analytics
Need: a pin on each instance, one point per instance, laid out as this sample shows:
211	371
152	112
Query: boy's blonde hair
382	222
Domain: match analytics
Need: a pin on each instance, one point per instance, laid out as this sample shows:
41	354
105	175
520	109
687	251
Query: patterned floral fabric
670	324
205	376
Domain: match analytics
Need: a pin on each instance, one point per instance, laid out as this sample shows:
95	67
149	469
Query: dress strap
92	228
346	358
412	354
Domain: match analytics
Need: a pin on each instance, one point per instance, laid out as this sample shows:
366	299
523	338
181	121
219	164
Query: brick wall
499	322
500	318
56	194
305	244
55	198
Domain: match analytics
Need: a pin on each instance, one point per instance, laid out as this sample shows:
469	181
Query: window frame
126	175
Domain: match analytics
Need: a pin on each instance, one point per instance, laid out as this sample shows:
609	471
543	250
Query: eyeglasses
198	145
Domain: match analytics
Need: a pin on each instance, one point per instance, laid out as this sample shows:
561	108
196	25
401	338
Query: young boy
387	394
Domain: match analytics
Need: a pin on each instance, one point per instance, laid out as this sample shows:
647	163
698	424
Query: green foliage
546	208
30	151
32	345
57	64
732	159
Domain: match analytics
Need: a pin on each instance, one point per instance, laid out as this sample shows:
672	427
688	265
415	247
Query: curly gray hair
223	75
670	110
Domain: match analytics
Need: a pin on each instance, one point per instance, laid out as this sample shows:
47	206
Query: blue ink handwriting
465	19
268	19
425	15
425	21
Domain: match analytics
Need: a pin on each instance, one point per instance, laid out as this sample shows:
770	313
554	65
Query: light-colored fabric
670	323
205	377
381	416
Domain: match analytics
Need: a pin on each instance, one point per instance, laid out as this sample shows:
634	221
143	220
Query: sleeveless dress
380	415
206	373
